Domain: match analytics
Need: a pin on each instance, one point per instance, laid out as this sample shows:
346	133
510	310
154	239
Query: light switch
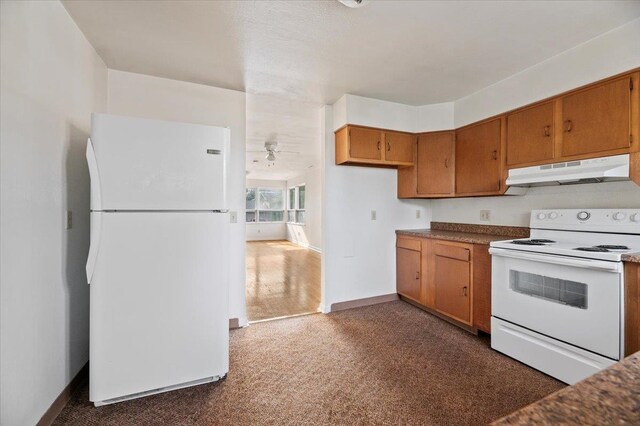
373	215
485	215
418	214
233	217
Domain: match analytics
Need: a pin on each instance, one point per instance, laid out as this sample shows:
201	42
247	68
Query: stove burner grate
613	247
533	242
595	249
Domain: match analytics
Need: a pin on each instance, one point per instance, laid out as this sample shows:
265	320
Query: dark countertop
611	396
631	257
464	237
467	233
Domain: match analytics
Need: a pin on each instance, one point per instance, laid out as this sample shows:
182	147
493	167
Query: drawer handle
464	290
446	163
494	154
568	125
378	145
417	275
388	146
547	131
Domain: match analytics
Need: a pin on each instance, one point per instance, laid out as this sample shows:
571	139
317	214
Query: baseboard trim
59	403
357	303
237	323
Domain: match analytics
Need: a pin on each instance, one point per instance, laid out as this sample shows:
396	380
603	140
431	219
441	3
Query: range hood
572	172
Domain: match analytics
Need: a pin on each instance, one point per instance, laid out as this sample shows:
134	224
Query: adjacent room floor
283	279
384	364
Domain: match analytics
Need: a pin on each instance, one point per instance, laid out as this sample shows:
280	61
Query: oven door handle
599	265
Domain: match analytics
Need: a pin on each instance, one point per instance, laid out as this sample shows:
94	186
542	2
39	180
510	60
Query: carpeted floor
385	364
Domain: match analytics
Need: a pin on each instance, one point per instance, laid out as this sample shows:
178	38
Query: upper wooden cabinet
433	172
435	164
478	158
597	119
530	134
374	147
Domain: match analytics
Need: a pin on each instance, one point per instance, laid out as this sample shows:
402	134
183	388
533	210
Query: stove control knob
619	216
553	215
635	217
583	215
541	216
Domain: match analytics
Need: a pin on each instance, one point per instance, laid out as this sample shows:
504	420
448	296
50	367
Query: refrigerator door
159	302
142	164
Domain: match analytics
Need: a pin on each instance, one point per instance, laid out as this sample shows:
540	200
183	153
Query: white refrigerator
158	262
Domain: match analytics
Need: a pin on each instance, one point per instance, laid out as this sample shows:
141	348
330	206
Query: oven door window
554	290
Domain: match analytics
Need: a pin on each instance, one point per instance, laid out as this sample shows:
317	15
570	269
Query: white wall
52	79
257	231
152	97
611	53
359	253
351	109
309	234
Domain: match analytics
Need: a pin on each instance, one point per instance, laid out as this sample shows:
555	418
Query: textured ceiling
414	52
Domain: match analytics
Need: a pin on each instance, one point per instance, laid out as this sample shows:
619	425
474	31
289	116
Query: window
296	204
265	205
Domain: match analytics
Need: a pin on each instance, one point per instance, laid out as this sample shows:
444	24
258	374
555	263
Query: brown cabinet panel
453	288
631	308
435	164
530	134
365	143
399	147
478	159
408	273
481	287
597	119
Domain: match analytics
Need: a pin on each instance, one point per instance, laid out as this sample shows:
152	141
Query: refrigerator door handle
94	244
96	196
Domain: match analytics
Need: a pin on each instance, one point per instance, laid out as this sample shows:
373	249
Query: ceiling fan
272	149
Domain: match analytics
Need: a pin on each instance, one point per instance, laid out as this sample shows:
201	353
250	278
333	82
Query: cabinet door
408	273
597	119
435	164
478	158
453	284
399	147
530	136
365	143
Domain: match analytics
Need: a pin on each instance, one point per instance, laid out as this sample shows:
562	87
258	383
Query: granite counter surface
467	233
611	396
631	257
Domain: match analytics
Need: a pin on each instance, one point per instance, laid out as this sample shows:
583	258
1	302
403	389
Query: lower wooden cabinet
408	269
449	278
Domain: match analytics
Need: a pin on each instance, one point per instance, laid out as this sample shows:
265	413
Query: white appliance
570	172
558	297
157	262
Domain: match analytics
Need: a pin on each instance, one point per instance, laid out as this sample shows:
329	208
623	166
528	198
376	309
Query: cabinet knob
464	290
446	163
547	131
388	146
378	145
568	125
494	155
417	275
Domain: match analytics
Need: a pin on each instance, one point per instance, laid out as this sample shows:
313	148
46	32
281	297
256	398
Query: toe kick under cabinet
449	278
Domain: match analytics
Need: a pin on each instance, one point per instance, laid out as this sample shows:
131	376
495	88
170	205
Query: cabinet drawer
453	252
409	243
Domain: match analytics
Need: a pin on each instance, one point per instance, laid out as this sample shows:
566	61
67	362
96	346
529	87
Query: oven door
577	301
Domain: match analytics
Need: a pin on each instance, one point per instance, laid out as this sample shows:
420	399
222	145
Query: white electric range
558	297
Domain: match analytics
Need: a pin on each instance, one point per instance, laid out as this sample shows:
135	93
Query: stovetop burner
613	247
595	249
533	242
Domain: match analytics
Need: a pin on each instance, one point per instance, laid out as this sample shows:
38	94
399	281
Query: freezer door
159	302
142	164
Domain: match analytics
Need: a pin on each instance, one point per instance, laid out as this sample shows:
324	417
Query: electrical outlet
68	220
373	215
417	214
233	217
485	215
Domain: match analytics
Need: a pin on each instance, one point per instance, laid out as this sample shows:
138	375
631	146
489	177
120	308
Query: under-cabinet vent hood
572	172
